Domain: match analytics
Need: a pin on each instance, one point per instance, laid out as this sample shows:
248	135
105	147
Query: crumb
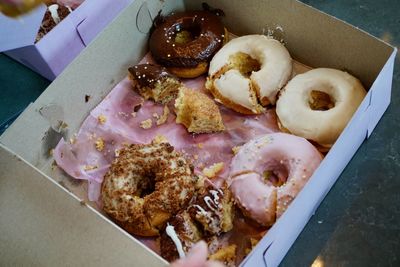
200	145
164	116
51	152
82	202
213	170
146	124
226	254
89	167
160	139
72	140
99	144
101	119
236	149
63	125
116	152
92	136
134	114
87	98
196	157
253	242
155	115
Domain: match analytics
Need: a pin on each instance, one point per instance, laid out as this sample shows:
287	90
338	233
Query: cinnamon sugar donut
140	169
268	172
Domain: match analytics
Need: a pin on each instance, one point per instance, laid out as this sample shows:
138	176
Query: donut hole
276	176
147	185
319	100
185	33
244	63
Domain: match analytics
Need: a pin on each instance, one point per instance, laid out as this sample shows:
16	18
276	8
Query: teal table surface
358	223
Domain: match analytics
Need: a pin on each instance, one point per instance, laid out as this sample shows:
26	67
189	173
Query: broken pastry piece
197	112
210	215
55	13
154	82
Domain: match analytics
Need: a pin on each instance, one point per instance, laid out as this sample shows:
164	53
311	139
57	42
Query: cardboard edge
81	202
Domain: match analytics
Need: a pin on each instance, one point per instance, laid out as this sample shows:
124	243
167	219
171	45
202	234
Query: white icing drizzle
215	196
207	200
69	9
201	210
54	13
172	234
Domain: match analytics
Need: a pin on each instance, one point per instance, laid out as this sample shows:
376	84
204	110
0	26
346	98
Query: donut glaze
208	32
289	159
322	126
242	91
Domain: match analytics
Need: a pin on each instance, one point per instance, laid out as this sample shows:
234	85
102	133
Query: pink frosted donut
268	172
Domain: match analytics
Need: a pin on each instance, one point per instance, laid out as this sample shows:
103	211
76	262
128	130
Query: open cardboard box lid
312	37
21	31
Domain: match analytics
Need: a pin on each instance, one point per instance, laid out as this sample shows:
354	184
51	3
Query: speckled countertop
358	223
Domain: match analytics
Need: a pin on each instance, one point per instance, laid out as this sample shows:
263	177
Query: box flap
26	26
43	224
93	16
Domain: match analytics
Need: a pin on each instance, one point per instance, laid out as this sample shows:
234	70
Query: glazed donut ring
130	177
249	69
268	172
187	58
322	126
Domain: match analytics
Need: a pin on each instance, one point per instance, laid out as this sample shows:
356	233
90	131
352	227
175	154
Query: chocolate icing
146	75
208	32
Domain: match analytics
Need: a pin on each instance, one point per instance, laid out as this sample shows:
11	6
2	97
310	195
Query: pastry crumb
51	152
236	149
200	145
116	152
89	167
146	124
99	144
196	157
101	119
164	116
213	170
133	114
160	139
156	116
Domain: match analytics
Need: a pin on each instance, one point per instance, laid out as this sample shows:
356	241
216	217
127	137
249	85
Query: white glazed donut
248	70
322	126
288	160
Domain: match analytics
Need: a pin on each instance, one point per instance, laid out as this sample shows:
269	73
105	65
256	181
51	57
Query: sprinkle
145	67
169	55
173	45
202	19
144	75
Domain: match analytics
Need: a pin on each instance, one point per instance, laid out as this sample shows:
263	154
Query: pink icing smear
82	160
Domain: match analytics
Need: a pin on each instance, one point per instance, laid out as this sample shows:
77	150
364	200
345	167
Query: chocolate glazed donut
185	42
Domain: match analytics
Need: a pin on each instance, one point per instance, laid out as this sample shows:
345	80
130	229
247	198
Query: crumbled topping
213	170
164	116
101	119
99	144
146	124
89	167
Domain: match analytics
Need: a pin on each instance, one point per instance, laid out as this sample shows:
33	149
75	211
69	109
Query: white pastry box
51	54
47	219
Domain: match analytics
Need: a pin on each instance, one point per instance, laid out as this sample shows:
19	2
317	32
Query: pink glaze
121	127
292	159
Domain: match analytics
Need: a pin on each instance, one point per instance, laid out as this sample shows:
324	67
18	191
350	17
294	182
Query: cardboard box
312	38
63	43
